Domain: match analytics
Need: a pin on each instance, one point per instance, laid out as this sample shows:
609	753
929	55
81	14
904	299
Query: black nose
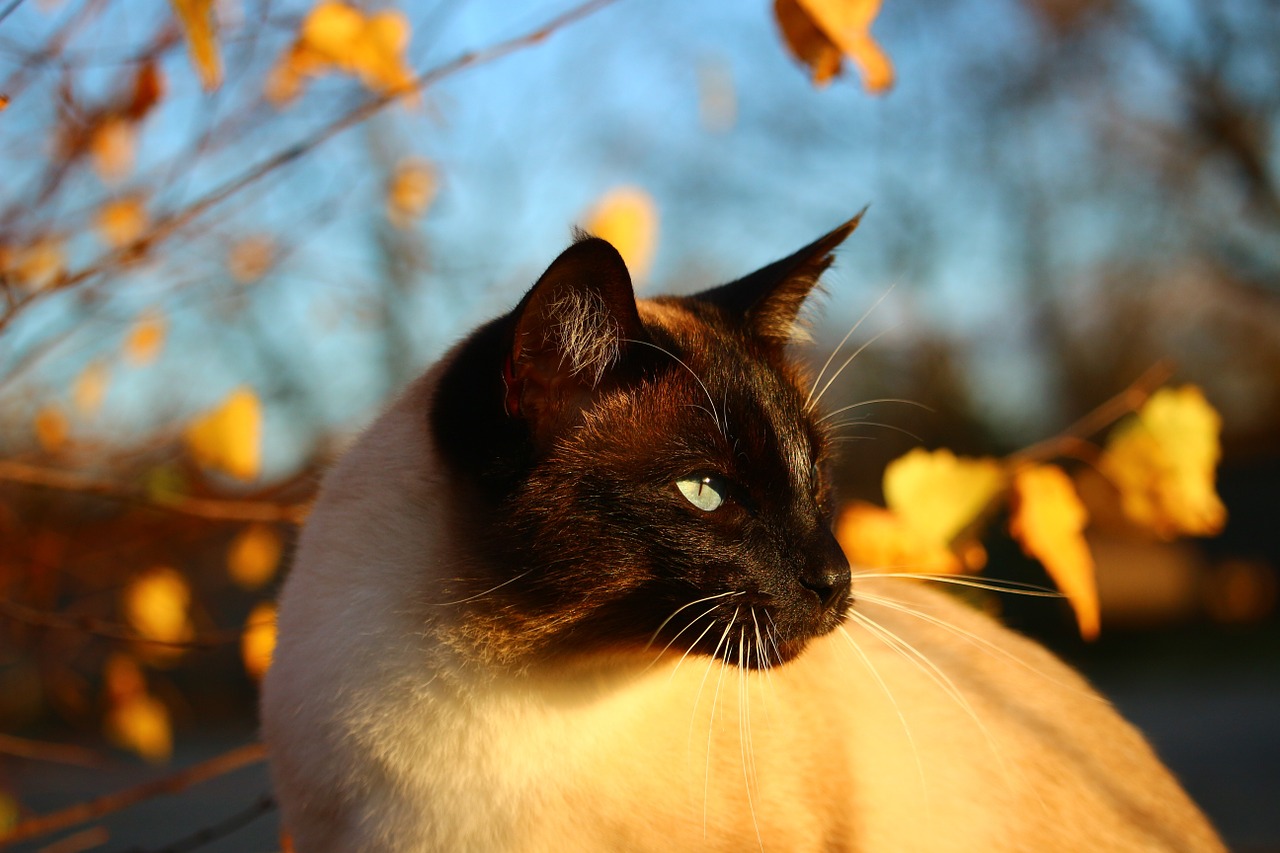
827	574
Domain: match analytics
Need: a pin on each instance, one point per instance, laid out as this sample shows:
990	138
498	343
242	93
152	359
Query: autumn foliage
125	566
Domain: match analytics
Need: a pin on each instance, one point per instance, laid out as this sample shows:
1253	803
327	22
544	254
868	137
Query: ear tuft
768	301
570	331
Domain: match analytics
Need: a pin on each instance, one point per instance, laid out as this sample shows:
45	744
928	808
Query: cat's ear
769	300
571	332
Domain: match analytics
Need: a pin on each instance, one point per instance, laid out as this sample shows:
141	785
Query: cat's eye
706	493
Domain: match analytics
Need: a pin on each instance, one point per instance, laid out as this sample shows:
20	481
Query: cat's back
964	736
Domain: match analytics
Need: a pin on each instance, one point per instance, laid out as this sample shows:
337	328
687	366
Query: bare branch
212	508
167	226
107	630
41	825
57	753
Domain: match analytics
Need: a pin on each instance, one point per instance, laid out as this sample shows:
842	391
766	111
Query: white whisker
892	427
843	409
990	584
809	401
720	427
488	591
969	636
875	674
817	399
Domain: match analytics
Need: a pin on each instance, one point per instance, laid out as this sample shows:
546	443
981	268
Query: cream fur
384	737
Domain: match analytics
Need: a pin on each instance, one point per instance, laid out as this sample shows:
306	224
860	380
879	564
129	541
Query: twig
35	827
263	805
225	510
102	628
167	226
58	753
78	842
1070	439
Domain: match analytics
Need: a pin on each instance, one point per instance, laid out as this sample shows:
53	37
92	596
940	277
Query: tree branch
167	226
212	508
35	827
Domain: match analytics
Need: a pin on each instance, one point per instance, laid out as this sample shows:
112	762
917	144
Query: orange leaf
806	41
51	429
258	641
411	191
254	555
1163	462
717	98
819	31
627	218
141	723
1049	520
939	494
145	340
250	258
148	89
156	604
122	221
40	265
90	388
200	25
112	148
337	36
873	537
229	438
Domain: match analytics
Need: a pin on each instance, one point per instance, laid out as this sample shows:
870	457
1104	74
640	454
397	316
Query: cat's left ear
571	333
769	300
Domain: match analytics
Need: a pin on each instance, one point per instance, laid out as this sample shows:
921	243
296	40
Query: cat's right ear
572	329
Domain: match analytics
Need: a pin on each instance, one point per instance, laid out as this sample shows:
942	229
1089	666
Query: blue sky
524	145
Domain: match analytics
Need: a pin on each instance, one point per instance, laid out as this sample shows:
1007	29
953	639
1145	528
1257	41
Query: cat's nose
827	575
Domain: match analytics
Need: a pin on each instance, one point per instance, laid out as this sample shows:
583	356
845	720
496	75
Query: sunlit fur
429	693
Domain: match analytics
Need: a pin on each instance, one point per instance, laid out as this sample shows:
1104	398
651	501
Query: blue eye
706	493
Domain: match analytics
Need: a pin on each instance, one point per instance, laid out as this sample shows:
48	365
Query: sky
524	145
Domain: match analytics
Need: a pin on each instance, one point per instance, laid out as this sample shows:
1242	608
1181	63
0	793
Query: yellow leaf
39	265
1163	462
254	555
91	388
112	148
157	605
939	494
51	429
1049	520
873	537
140	723
258	641
122	221
145	340
331	28
337	36
411	191
819	31
200	25
229	438
627	218
250	258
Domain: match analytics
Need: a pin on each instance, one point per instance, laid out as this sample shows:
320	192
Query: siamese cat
577	590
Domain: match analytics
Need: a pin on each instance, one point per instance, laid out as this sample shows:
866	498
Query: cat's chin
753	646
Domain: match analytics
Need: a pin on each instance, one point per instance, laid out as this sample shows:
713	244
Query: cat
577	590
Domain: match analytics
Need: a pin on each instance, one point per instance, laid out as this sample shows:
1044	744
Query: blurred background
214	273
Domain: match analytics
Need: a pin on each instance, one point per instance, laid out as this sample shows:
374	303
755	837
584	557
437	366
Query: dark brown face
644	478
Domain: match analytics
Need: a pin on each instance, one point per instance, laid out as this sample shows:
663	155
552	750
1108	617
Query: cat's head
642	475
